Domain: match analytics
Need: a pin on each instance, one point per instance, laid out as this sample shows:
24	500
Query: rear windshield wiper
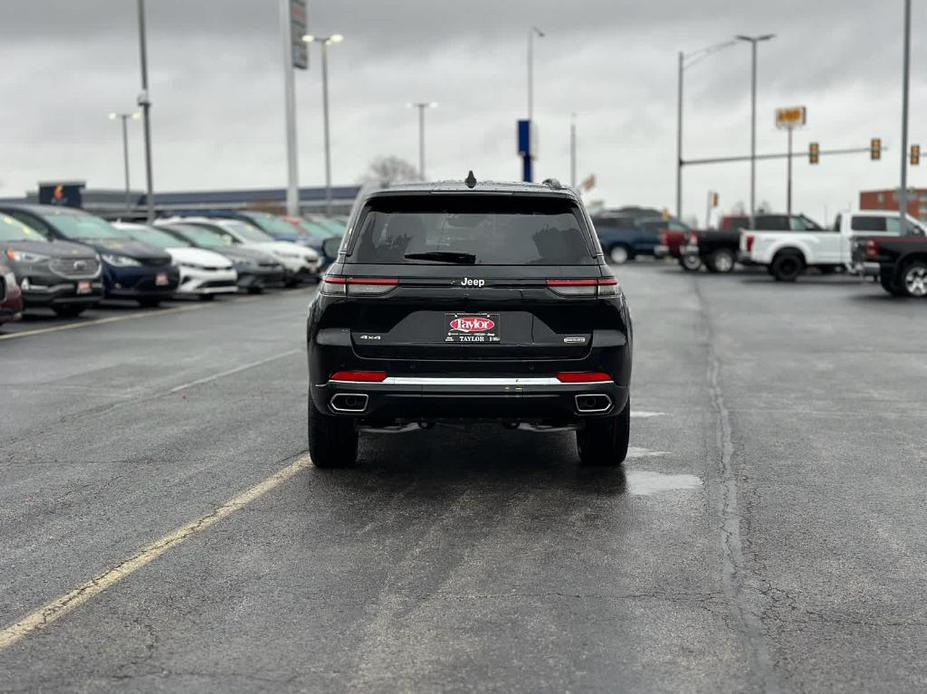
444	257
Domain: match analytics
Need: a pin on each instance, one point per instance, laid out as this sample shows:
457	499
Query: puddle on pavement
636	452
645	414
647	483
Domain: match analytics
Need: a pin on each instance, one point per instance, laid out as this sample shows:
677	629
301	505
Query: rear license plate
161	279
479	328
84	287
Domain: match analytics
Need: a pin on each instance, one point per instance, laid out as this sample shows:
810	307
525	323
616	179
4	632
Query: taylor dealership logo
472	324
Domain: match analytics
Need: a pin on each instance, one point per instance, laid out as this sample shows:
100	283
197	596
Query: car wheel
786	267
890	284
68	311
604	440
690	263
332	440
149	303
914	279
721	260
618	255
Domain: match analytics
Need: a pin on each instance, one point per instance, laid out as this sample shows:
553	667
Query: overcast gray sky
217	90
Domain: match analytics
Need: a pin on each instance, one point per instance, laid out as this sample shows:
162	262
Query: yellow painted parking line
59	607
99	321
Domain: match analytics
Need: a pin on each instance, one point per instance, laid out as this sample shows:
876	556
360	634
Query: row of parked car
867	243
68	260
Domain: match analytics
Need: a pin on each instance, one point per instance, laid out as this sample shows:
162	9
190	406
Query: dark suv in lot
469	302
62	276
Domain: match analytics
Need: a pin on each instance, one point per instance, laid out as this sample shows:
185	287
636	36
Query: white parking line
229	372
645	414
59	607
99	321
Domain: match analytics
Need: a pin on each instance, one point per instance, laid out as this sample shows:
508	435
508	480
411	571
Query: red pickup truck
672	239
11	298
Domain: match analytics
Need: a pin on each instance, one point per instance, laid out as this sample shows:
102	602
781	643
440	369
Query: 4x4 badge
467	282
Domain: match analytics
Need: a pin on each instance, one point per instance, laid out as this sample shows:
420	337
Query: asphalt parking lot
766	534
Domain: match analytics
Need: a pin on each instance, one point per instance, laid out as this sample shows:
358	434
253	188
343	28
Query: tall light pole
421	106
289	92
324	42
145	102
573	150
687	60
531	34
753	41
124	117
905	88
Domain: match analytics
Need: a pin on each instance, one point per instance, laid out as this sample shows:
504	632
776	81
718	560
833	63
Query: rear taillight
692	240
583	377
603	287
872	249
750	240
359	376
664	238
358	286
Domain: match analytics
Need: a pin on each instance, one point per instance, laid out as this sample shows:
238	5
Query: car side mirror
330	247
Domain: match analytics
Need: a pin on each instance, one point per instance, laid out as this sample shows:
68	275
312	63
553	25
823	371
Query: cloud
217	89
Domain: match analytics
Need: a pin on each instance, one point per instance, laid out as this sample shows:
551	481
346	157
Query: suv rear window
472	229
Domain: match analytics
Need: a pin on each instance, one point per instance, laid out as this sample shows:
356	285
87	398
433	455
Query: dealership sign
791	117
297	31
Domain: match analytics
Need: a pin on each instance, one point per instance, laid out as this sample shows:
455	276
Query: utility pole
905	89
328	146
788	185
289	93
124	117
573	150
145	102
682	58
753	40
421	106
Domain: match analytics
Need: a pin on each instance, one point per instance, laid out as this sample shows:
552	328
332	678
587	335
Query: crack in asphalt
738	581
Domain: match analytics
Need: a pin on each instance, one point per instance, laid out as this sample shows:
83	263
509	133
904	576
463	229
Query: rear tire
604	440
787	266
914	279
722	260
332	440
891	285
68	311
618	254
690	263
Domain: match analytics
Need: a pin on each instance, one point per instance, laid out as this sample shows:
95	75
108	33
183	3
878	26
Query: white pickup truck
787	254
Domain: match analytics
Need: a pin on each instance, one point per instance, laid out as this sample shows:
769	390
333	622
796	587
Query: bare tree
389	170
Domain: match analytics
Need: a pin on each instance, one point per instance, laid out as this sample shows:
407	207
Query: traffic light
814	153
875	149
915	155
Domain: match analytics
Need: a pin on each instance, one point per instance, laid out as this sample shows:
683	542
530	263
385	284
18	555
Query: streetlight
323	42
145	102
905	88
421	106
573	150
687	60
531	33
124	117
753	41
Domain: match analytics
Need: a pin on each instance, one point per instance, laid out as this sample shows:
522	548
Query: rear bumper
506	399
661	251
866	269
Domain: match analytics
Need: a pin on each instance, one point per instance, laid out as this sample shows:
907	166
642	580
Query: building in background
888	200
111	204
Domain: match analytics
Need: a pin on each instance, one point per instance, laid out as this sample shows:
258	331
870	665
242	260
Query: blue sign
524	138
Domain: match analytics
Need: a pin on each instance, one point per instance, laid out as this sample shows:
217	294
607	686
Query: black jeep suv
469	302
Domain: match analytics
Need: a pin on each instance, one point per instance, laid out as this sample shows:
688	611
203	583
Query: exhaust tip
353	403
593	404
